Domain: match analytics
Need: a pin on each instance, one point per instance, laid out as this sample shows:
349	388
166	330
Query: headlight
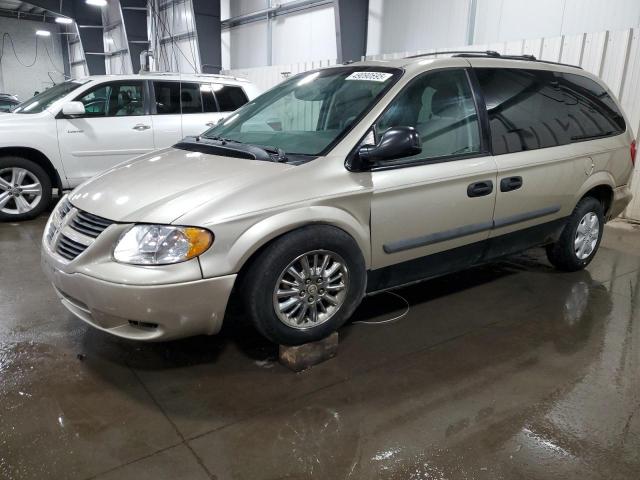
161	244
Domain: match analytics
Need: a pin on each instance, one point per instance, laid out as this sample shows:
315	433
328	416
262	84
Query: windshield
307	114
42	101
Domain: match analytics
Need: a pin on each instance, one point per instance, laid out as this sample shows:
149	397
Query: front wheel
580	237
305	285
25	189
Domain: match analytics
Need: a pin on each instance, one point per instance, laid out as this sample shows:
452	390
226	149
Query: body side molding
409	243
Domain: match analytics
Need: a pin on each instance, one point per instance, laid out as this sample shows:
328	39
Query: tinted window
593	101
230	98
190	98
114	100
167	97
208	100
530	109
440	106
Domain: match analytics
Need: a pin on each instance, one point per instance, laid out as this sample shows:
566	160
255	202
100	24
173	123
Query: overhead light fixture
64	20
97	3
43	33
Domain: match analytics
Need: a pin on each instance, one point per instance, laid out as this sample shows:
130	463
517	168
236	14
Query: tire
15	203
270	274
565	254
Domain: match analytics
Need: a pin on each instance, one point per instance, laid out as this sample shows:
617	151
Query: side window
229	97
113	100
209	104
167	98
190	98
531	109
591	107
440	107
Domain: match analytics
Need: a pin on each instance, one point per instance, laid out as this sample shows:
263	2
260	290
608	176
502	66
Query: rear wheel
580	237
305	285
25	189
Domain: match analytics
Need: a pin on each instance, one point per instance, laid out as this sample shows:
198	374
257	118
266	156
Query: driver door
432	213
114	128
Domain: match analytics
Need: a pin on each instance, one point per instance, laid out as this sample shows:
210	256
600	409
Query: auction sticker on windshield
370	76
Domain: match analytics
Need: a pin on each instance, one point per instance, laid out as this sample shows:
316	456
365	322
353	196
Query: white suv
80	128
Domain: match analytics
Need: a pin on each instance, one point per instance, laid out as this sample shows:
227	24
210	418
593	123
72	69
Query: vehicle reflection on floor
511	370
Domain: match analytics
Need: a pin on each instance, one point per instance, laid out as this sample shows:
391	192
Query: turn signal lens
199	240
161	244
634	150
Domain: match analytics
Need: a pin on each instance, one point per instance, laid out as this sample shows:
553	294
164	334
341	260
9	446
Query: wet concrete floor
510	371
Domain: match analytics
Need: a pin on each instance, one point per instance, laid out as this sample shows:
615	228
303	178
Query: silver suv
341	183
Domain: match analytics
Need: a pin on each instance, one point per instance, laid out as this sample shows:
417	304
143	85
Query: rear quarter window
531	109
230	97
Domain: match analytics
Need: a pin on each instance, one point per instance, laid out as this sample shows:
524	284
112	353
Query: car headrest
443	98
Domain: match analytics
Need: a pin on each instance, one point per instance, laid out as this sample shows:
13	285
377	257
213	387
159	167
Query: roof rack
205	75
491	54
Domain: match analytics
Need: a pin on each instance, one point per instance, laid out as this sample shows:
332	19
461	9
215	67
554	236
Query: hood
162	186
9	119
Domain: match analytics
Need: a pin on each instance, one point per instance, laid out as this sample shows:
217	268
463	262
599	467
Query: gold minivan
340	183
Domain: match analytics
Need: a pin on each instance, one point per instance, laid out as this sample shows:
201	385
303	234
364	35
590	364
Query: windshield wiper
217	139
281	156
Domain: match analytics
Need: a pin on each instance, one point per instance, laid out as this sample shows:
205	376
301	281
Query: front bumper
148	313
621	198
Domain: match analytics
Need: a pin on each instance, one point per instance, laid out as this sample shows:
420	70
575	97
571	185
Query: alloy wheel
587	235
311	289
20	191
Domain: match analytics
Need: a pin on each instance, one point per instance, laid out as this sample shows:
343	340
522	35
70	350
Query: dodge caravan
340	183
79	128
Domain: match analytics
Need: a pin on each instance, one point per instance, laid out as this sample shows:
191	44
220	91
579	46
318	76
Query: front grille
69	249
89	224
64	209
72	231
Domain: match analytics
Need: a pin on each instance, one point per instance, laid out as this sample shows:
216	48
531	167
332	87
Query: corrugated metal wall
612	55
171	28
118	60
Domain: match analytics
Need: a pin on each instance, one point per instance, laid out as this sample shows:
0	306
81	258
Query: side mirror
397	142
73	109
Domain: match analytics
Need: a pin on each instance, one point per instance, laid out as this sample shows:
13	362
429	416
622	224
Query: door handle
210	124
140	127
510	183
480	189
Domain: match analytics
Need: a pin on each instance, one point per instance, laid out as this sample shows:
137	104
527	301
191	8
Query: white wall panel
594	49
242	7
572	49
551	49
595	15
522	19
503	20
409	25
310	34
615	60
225	47
248	45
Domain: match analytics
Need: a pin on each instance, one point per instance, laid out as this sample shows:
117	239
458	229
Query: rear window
229	97
531	109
